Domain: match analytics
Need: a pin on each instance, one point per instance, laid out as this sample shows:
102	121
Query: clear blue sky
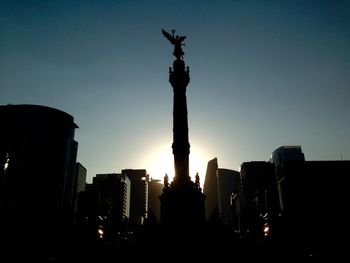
263	74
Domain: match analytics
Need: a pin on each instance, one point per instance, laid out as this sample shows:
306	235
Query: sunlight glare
161	162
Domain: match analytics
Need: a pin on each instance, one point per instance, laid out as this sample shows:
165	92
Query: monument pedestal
182	205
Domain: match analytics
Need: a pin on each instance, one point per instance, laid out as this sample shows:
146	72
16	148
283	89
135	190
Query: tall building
81	177
210	188
315	200
138	194
281	156
155	188
107	198
182	201
71	181
258	199
228	186
220	186
38	154
88	203
286	153
80	182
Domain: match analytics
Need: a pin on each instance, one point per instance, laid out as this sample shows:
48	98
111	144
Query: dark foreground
159	244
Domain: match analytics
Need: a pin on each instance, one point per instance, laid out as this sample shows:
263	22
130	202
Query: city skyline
263	75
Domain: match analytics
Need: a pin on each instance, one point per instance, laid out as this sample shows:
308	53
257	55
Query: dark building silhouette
287	153
259	207
103	209
279	157
210	188
221	188
182	201
138	194
81	174
88	203
80	183
228	189
294	207
37	179
114	196
155	188
315	201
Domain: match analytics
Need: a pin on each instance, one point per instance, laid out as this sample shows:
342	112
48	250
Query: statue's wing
182	38
168	36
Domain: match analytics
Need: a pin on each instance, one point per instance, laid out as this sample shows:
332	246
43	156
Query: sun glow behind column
161	162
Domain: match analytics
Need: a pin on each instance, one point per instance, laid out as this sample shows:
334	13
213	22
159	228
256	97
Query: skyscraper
220	186
37	156
155	188
258	198
138	194
228	185
280	157
286	154
210	188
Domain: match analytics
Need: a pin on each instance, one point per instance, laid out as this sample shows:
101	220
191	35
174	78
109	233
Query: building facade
258	199
106	201
37	156
314	204
210	188
138	194
155	188
228	186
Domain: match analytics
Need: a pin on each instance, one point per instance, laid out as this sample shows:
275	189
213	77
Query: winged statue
177	42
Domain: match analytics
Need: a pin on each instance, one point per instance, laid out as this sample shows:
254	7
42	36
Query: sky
263	74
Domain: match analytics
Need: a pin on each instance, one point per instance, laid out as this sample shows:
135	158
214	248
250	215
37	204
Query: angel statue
166	181
197	181
177	42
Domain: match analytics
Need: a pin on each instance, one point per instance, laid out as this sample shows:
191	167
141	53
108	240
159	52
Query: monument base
182	205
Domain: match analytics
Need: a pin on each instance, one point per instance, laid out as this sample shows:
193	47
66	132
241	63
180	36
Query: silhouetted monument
182	201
